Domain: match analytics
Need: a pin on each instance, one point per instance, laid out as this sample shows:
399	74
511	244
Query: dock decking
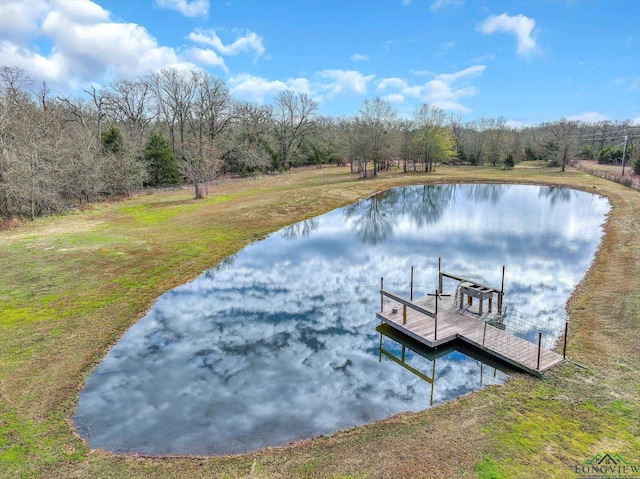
434	324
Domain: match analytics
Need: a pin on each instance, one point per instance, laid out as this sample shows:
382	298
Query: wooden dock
434	321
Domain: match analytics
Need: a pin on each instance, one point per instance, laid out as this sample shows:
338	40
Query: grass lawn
70	286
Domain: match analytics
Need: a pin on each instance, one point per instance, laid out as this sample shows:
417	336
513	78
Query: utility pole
624	152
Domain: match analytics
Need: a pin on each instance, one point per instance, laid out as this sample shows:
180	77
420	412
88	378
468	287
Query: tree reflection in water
374	220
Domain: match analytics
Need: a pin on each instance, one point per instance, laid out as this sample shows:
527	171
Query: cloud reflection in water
278	343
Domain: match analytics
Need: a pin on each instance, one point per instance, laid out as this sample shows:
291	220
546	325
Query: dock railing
409	304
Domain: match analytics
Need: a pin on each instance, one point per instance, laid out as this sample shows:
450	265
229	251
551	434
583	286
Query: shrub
508	162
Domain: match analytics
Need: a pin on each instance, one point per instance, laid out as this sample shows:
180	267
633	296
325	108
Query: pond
280	342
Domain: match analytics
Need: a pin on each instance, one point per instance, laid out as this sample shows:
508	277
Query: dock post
412	283
484	333
501	293
564	348
381	296
439	276
435	329
404	314
539	347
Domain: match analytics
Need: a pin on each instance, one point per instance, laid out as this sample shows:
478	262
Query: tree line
59	152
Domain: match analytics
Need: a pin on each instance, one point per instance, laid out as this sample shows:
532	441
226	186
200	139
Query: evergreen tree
160	162
112	141
508	162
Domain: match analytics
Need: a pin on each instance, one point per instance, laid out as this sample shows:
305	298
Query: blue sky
527	61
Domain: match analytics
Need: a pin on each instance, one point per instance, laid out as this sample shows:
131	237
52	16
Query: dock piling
381	296
435	329
501	294
566	332
484	333
411	284
539	347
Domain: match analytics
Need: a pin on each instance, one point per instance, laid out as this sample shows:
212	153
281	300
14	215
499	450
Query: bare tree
201	164
376	120
98	100
475	135
495	135
14	83
73	110
31	154
129	103
565	139
405	130
249	144
293	123
173	92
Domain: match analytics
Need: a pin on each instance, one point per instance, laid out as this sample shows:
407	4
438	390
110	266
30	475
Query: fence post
566	331
381	296
539	347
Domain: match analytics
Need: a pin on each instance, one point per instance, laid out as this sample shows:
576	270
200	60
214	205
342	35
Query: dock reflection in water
426	363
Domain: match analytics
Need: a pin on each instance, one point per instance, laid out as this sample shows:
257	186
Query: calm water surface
279	342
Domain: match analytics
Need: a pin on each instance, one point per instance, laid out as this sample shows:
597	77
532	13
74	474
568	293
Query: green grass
71	285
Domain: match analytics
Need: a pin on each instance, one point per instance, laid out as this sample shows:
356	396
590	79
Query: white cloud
401	86
518	25
636	121
18	19
443	91
84	12
327	83
395	98
35	65
345	80
252	88
474	70
257	89
359	58
86	45
588	117
438	4
193	8
249	42
299	85
208	57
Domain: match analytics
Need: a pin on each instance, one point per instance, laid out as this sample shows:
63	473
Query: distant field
71	285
